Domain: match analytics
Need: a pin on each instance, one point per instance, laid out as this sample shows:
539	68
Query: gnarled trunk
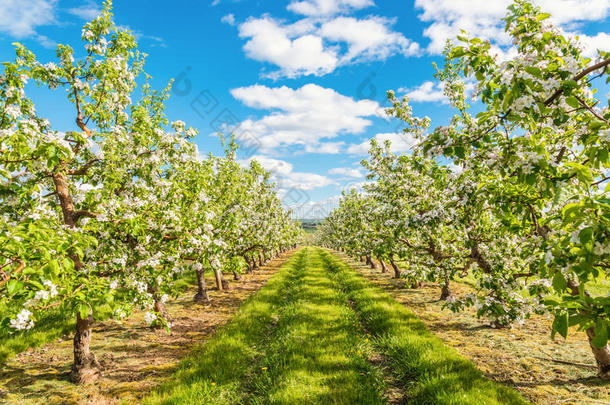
384	268
254	263
397	272
445	291
158	306
602	356
236	276
370	262
86	368
261	262
202	290
249	263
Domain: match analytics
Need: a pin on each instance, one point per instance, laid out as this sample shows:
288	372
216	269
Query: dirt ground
135	357
544	371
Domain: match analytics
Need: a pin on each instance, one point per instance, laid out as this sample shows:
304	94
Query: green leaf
13	286
534	71
572	102
560	324
586	235
83	310
601	334
559	282
542	16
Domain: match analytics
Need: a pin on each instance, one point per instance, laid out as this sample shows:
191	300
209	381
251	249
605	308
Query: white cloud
305	116
400	143
346	171
87	11
20	19
367	39
228	19
432	92
330	148
327	7
426	92
599	41
482	18
268	41
317	46
286	179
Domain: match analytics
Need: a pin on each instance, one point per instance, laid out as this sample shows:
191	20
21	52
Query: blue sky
301	82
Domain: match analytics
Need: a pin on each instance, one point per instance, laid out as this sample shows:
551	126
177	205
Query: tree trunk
159	306
602	356
384	268
249	263
202	290
225	284
370	262
236	276
445	291
86	368
397	272
254	263
218	277
261	262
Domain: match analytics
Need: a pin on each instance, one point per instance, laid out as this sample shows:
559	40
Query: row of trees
523	206
114	213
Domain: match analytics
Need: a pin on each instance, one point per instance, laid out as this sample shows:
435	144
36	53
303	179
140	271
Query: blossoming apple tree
111	213
533	157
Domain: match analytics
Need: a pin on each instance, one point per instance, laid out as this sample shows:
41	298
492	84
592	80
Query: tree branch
579	76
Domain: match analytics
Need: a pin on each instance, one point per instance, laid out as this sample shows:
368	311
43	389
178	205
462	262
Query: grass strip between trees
430	371
302	339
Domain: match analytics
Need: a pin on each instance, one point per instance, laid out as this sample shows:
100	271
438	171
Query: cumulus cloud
87	11
432	92
600	41
287	179
346	171
368	39
482	18
400	143
228	19
327	7
426	92
318	45
306	116
21	19
269	41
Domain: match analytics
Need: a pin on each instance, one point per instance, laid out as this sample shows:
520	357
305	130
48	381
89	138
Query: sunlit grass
304	339
430	371
294	342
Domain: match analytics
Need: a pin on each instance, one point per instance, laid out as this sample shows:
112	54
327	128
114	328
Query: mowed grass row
429	371
295	342
304	339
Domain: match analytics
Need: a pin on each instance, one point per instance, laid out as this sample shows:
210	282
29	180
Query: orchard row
114	213
513	192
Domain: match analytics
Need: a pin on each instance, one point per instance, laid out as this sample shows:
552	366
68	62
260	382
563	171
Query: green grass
431	372
305	338
57	322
